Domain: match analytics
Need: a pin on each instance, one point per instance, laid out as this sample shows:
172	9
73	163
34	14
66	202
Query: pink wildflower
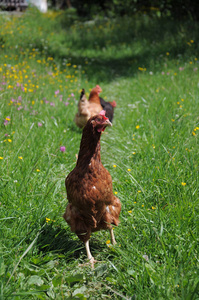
62	148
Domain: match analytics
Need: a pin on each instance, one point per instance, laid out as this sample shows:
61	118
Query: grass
150	68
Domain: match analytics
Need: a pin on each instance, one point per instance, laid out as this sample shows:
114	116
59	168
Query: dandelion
47	220
114	166
62	148
137	126
153	207
9	140
108	242
20	157
139	191
135	202
115	193
193	133
129	170
183	183
130	211
1	157
142	205
38	170
167	53
134	153
8	119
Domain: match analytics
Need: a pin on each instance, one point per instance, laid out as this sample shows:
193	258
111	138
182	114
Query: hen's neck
94	98
89	148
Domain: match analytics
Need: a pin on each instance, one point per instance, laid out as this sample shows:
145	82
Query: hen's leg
89	255
113	241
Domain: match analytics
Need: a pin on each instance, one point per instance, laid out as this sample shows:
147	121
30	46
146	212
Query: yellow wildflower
1	157
183	183
20	157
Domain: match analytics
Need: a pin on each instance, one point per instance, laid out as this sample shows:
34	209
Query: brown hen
92	205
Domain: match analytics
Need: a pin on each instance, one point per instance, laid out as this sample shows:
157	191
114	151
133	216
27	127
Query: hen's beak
107	123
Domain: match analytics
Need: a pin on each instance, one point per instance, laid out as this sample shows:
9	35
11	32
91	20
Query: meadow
149	66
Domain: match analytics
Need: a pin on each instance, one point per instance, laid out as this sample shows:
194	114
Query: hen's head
100	122
96	90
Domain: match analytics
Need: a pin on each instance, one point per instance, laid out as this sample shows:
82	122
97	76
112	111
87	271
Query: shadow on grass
63	241
147	40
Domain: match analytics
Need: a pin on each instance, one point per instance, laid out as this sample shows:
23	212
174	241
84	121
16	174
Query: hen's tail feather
82	93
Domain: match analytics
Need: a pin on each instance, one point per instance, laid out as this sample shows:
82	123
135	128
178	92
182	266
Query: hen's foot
91	262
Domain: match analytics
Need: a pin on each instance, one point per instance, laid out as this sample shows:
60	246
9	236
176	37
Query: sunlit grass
151	152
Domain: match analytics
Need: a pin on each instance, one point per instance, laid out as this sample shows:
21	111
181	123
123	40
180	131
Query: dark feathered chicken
108	107
92	205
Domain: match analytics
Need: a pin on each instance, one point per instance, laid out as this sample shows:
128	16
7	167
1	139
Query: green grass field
150	67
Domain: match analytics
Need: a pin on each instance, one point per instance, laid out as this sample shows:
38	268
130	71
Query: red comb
99	88
102	113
